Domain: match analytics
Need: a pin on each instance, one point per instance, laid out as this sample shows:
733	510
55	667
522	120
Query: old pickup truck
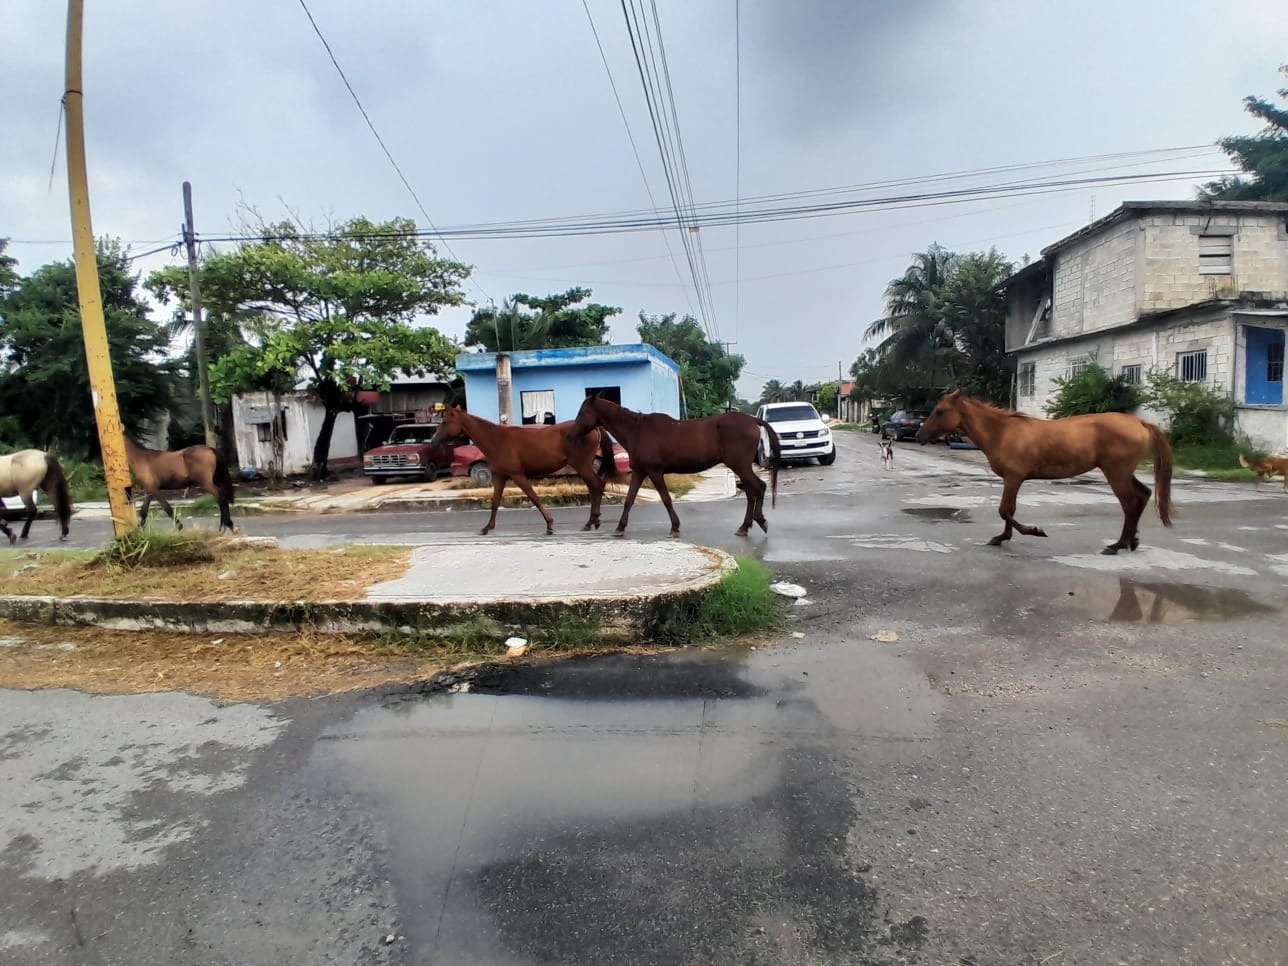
409	453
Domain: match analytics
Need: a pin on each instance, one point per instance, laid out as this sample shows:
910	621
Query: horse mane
999	410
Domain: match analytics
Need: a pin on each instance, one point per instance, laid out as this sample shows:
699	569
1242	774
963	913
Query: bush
1198	415
1093	390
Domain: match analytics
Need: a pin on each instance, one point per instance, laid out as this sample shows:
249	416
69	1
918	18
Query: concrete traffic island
623	583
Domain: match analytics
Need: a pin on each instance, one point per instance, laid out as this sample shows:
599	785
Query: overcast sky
500	110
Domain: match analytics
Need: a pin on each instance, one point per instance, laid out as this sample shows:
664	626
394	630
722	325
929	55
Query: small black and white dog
887	454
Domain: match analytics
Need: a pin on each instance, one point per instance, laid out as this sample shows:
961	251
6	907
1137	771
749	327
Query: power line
727	218
737	166
635	150
381	141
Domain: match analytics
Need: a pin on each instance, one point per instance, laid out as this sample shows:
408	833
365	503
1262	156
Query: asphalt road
1063	758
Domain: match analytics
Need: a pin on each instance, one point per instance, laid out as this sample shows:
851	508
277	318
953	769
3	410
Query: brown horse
518	452
1020	448
24	472
659	444
155	470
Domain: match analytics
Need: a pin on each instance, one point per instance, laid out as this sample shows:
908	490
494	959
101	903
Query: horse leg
596	487
143	510
531	494
165	505
1133	496
29	501
636	479
753	487
4	526
498	488
659	484
226	517
1006	510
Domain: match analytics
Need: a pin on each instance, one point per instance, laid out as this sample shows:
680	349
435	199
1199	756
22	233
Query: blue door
1265	366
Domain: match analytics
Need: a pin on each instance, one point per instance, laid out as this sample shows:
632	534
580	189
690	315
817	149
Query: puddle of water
641	751
936	514
1138	602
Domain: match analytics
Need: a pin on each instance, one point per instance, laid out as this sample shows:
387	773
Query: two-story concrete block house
1197	288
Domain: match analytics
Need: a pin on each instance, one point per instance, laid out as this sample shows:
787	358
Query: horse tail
222	479
1162	473
55	484
607	458
775	457
1244	462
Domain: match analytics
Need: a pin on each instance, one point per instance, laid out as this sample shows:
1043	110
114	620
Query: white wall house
278	433
1197	288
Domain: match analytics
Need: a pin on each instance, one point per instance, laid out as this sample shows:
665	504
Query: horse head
452	427
587	419
943	419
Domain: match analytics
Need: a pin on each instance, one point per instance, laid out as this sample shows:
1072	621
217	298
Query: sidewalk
519	582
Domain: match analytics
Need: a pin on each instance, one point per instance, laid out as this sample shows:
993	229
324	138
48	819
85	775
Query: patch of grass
143	566
143	547
740	604
1217	462
85	481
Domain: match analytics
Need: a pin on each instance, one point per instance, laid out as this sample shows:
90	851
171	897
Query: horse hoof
741	532
996	542
1109	551
484	532
619	533
1039	532
675	534
178	525
12	539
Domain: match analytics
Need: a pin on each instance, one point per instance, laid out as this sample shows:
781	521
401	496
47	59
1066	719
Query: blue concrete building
549	385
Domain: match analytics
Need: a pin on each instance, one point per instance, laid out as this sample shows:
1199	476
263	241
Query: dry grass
268	667
235	572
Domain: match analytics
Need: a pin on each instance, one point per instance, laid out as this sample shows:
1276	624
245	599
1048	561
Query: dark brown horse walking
1022	448
156	470
659	444
24	472
518	452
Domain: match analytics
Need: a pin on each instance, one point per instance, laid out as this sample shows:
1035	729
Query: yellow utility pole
102	387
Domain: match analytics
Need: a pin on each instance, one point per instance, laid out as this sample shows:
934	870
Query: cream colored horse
26	471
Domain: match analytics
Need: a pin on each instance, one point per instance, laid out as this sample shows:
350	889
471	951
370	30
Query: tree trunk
322	448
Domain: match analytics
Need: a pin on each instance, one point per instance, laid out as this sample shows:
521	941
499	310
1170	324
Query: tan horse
659	445
518	452
1020	448
155	470
26	471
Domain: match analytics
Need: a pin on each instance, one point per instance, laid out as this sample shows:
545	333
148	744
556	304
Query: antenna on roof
1091	209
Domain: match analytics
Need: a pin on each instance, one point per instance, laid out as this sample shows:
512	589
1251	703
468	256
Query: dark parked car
903	424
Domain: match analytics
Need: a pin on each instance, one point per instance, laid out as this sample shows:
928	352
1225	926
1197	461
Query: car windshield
418	434
783	414
908	414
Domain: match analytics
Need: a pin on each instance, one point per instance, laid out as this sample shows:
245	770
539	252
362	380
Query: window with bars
1192	366
1028	377
1275	361
1131	374
1078	366
1216	254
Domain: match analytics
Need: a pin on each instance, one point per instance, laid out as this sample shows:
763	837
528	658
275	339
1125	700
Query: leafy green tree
1092	390
8	270
825	400
548	322
707	371
335	311
44	384
1262	157
1197	414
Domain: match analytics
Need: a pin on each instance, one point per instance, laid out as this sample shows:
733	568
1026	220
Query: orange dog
1268	466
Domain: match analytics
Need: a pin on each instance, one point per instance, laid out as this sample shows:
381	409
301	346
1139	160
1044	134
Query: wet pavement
1048	756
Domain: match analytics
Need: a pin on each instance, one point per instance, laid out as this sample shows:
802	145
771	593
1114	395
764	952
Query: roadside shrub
1198	415
1093	390
740	604
143	547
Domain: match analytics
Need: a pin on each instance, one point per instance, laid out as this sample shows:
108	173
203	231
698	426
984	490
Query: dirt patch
236	572
233	668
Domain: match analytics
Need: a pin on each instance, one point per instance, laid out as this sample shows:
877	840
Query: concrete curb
637	610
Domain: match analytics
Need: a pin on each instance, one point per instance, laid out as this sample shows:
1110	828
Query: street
1049	756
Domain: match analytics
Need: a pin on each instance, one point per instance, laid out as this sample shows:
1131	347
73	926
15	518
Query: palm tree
913	333
508	330
775	391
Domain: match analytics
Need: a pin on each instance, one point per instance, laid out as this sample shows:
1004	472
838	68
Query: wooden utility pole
107	415
203	368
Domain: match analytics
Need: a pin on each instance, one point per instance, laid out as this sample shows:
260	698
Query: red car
409	453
